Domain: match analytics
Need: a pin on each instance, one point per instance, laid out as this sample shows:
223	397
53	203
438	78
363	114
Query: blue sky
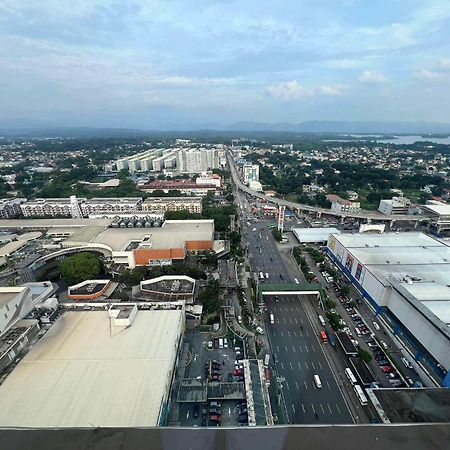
171	63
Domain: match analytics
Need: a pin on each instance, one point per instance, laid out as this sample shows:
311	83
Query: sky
169	64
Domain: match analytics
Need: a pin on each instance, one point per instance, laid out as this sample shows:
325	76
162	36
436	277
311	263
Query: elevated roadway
364	215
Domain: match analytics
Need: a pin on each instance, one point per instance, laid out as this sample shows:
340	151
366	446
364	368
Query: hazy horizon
162	65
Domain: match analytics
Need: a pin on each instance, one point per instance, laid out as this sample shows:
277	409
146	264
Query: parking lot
217	363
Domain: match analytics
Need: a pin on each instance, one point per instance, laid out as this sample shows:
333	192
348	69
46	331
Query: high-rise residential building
250	172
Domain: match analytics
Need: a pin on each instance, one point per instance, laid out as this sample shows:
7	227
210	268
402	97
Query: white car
376	326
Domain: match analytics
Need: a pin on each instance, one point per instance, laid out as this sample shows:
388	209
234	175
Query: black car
230	377
196	410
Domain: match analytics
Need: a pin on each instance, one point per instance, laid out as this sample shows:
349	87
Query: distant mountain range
27	127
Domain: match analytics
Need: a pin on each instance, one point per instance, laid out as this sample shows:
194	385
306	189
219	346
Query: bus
323	336
266	360
350	376
322	321
360	394
272	318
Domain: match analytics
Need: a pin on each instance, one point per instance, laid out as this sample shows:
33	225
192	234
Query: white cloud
430	75
293	90
444	64
372	76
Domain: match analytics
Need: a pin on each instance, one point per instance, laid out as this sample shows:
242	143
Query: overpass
364	215
290	289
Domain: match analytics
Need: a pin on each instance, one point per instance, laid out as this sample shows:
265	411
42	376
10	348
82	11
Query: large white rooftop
314	234
85	372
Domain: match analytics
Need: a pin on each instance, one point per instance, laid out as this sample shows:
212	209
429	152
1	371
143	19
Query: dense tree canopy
80	267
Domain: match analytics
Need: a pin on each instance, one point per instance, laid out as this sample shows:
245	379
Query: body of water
399	139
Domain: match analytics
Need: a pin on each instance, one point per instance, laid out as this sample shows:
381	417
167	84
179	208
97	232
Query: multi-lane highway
300	356
292	338
365	215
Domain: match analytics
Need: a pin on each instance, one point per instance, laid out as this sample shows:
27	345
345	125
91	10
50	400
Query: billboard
349	262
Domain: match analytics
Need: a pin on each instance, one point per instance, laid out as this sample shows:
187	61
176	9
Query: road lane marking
287	385
293	348
295	320
303	407
287	351
292	368
295	334
306	348
320	365
306	364
284	320
329	407
282	365
296	385
289	334
306	331
312	406
328	384
312	365
299	365
313	348
306	386
337	407
290	321
321	407
293	407
278	349
281	333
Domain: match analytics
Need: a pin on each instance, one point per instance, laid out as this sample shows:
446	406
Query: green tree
80	267
345	289
365	356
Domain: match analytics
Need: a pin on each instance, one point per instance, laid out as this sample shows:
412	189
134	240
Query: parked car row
213	370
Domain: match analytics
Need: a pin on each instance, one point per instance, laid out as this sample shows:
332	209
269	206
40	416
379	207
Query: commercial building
159	204
145	246
96	369
406	278
395	206
53	207
250	172
439	213
10	207
339	204
314	235
88	290
95	206
185	187
209	178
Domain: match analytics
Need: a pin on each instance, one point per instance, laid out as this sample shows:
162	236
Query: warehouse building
96	369
406	278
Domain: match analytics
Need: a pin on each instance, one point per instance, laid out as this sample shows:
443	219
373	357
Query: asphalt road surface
296	345
300	356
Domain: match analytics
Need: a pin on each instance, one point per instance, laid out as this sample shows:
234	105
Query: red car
387	369
214	418
237	372
216	378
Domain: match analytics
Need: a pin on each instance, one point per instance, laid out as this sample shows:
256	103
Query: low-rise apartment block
395	206
339	204
10	207
52	207
111	204
163	204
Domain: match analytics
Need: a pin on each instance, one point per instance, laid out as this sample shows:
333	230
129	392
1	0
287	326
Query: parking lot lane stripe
299	365
282	365
313	348
281	333
306	364
306	386
278	349
284	320
320	365
321	407
312	365
290	321
312	406
295	334
295	320
292	367
289	334
293	348
306	331
287	385
306	348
